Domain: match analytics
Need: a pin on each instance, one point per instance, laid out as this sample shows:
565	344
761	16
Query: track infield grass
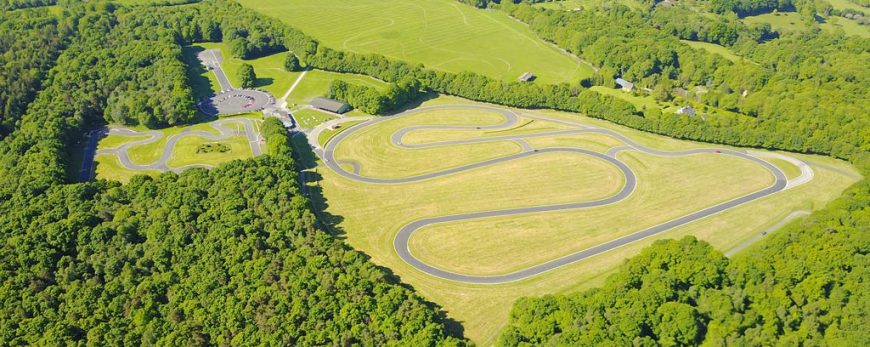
441	34
109	167
185	151
372	214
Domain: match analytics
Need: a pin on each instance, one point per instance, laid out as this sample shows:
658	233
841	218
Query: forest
31	41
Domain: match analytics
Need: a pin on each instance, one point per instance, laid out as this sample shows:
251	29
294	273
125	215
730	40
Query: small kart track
222	126
401	241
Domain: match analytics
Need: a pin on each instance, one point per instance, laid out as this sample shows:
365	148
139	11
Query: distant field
570	5
371	214
715	49
791	21
441	34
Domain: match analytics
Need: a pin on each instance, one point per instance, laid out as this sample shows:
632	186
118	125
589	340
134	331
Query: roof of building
526	76
330	105
623	83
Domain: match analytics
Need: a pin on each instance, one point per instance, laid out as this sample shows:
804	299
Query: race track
154	136
401	240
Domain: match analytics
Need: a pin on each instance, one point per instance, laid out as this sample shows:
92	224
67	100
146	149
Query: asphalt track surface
154	135
401	241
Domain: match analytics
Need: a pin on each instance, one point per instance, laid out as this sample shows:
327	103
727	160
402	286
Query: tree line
372	101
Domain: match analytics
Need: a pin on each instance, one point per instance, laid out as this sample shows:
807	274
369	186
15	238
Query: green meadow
441	34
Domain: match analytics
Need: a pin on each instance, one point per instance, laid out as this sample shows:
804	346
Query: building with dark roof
526	77
686	110
330	105
625	85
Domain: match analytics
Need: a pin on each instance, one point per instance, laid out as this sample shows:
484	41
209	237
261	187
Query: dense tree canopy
246	76
30	42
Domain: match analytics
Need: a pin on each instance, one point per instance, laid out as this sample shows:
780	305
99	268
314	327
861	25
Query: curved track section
154	136
401	241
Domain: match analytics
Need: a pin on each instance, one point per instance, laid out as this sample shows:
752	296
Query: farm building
526	77
687	110
330	105
625	85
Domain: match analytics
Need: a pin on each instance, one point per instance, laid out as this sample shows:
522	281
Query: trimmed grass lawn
328	134
114	141
185	151
372	214
441	34
109	167
789	169
311	118
149	153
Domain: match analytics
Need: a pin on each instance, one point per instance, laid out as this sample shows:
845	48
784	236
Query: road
213	59
87	170
154	135
402	238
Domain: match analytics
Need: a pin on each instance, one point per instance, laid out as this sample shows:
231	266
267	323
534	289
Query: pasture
792	21
370	215
441	34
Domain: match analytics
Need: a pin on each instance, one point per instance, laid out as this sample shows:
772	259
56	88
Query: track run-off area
225	128
510	120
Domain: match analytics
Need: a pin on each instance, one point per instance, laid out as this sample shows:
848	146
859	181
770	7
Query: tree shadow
263	81
200	84
306	161
413	103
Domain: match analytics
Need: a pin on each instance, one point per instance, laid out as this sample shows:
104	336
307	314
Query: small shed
687	110
526	77
625	85
330	105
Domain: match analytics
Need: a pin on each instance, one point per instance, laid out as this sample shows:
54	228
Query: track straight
401	241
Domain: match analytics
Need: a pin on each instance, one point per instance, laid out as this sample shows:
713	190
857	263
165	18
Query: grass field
570	5
328	134
185	151
109	167
370	215
441	34
715	49
311	118
791	21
